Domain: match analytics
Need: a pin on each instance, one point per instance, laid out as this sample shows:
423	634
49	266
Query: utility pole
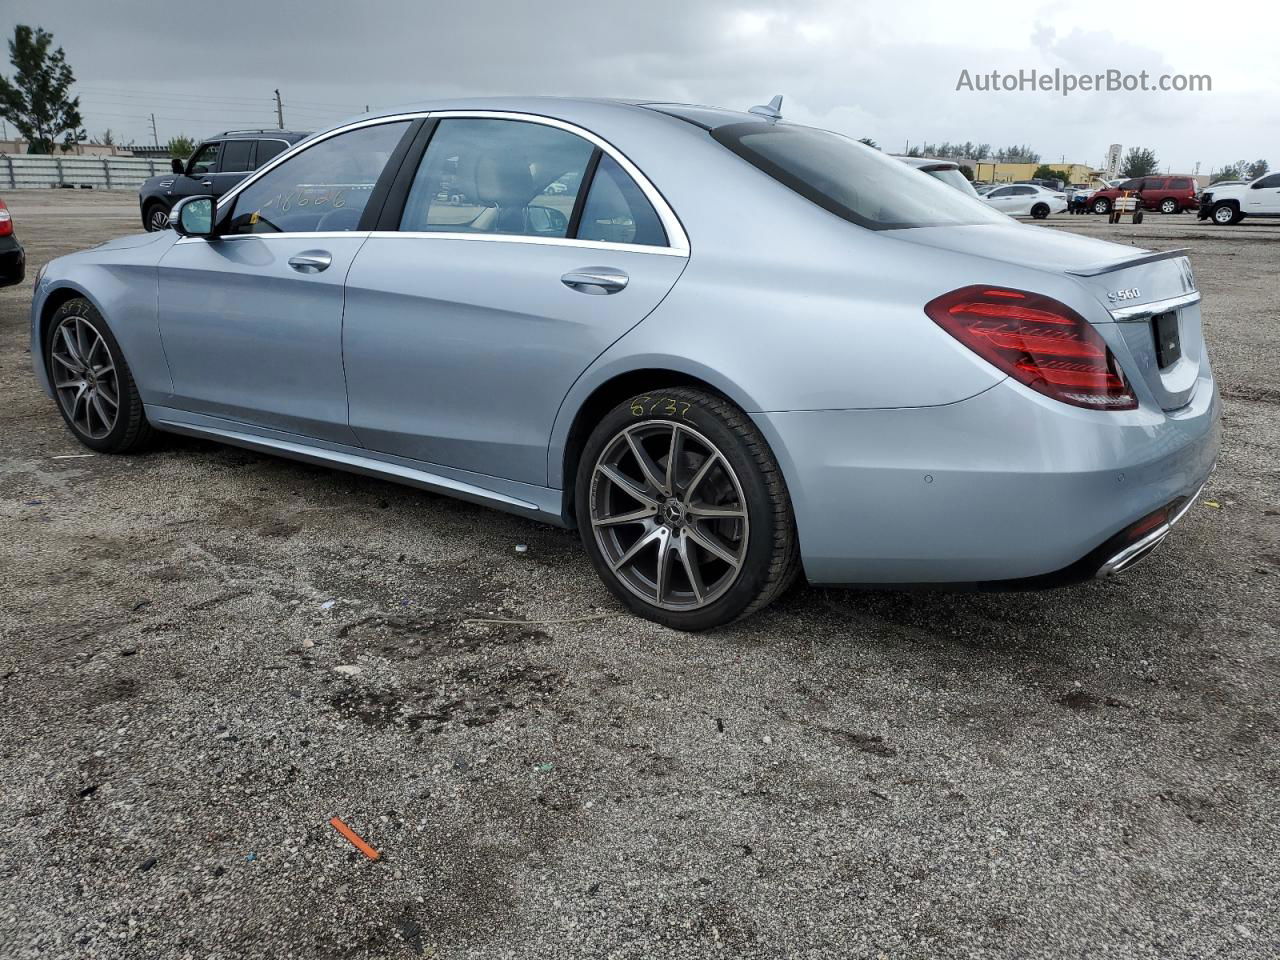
279	111
154	136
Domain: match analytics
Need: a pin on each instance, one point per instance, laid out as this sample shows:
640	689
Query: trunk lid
1151	300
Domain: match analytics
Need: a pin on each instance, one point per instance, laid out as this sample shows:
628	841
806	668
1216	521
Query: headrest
503	180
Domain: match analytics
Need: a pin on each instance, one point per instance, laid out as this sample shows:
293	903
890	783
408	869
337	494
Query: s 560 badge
1118	296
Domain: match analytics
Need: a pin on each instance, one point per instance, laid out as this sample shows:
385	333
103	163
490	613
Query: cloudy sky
883	70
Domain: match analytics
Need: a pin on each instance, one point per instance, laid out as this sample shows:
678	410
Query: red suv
1166	194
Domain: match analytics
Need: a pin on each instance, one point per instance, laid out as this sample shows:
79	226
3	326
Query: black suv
217	165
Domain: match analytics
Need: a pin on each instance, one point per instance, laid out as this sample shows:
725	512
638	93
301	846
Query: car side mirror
193	217
175	165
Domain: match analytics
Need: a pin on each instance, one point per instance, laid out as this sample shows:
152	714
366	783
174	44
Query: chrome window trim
1145	310
677	239
521	238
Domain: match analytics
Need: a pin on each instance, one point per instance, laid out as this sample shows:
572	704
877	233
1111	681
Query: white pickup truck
1225	204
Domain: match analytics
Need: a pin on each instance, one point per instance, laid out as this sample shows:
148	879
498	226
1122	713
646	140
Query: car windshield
852	180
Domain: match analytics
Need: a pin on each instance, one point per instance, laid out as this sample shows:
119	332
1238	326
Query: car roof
575	108
292	136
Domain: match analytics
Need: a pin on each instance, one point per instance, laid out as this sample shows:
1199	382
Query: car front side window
493	176
323	188
205	160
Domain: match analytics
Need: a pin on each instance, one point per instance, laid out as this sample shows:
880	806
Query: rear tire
1169	205
1040	211
92	382
698	545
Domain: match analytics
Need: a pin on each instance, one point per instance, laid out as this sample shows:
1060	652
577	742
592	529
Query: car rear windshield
852	180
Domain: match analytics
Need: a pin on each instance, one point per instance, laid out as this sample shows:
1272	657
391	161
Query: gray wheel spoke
635	516
691	569
663	578
704	512
708	543
636	548
73	351
69	363
108	396
674	453
67	384
627	486
647	465
96	398
701	475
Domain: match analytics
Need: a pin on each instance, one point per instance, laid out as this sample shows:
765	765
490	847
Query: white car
1231	204
1026	200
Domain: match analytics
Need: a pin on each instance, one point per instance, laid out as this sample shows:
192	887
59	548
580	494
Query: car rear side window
1179	184
269	149
236	155
617	211
323	188
488	176
850	179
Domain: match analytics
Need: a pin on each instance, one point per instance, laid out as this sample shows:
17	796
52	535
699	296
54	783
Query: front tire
1102	206
1224	214
156	217
1040	211
92	382
683	510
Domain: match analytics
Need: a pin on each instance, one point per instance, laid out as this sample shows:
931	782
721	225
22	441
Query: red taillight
6	220
1038	341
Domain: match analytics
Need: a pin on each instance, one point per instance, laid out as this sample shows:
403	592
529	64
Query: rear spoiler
1134	262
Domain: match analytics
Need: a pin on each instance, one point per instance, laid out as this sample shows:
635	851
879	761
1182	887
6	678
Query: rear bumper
13	262
1005	489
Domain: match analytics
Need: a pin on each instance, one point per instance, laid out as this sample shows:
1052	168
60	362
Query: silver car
726	348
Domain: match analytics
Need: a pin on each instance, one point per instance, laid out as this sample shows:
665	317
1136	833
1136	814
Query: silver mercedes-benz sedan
725	347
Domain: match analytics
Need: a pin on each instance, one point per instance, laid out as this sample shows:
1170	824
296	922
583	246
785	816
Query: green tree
869	142
967	171
1229	172
1139	162
1259	168
1019	154
37	101
108	139
1046	172
181	147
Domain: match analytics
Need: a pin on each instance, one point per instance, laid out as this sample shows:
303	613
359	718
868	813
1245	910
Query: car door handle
595	280
311	261
206	183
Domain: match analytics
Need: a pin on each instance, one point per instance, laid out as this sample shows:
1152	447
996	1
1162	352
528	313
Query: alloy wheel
84	377
668	514
158	219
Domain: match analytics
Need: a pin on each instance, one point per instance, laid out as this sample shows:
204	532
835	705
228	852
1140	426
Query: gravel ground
206	654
